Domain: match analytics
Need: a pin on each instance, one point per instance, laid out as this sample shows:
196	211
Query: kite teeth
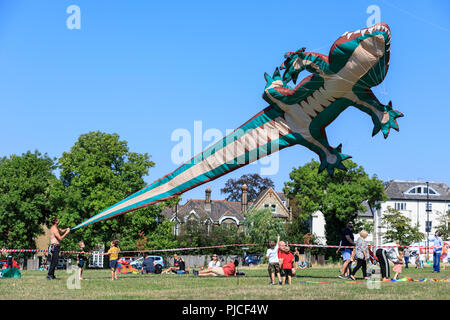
349	35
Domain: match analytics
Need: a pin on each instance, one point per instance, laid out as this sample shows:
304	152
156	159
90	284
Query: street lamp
428	224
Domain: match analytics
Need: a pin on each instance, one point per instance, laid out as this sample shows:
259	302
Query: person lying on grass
227	270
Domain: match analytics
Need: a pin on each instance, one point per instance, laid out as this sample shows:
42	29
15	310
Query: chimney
244	202
208	199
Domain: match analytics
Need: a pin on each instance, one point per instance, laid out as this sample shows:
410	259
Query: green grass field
253	286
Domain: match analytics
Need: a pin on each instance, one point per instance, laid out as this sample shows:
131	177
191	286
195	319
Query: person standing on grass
81	260
386	253
406	255
55	246
274	262
398	265
286	260
437	250
296	257
347	241
361	253
113	253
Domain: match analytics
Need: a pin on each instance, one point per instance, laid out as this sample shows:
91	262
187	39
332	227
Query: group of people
389	252
282	263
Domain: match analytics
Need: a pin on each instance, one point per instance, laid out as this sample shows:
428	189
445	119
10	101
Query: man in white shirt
274	263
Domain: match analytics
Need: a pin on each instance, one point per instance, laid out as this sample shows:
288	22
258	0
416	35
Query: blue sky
147	69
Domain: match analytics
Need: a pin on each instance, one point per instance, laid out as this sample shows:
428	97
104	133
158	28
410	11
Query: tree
338	197
195	234
261	227
254	182
399	227
26	184
98	172
443	226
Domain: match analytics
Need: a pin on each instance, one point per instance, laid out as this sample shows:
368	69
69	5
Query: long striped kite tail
264	134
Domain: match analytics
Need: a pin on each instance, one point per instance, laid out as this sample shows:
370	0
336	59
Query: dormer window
422	190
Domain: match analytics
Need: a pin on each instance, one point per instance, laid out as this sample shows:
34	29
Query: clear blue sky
143	69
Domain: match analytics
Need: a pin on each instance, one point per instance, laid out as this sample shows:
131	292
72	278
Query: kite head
363	55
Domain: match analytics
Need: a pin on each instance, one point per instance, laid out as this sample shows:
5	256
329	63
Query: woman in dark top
81	259
9	261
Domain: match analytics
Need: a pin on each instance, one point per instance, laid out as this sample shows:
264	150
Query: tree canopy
399	227
339	197
97	172
26	184
254	182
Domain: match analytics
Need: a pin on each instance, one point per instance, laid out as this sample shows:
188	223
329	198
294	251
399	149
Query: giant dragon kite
357	61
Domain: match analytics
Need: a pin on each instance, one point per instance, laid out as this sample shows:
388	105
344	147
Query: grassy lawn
254	285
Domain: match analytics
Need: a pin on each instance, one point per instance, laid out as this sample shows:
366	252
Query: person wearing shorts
113	253
81	259
286	259
274	263
347	240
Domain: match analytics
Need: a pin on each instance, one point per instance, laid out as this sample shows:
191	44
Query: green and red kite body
357	61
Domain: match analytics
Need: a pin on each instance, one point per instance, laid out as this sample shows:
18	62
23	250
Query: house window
274	208
422	190
400	205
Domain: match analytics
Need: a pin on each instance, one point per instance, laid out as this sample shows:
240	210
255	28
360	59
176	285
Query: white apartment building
410	198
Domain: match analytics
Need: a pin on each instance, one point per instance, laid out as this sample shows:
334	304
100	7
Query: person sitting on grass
214	262
302	263
227	270
178	265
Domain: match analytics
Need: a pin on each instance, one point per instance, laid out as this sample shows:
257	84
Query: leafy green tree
338	197
195	234
443	226
26	184
363	224
399	227
261	227
254	182
97	172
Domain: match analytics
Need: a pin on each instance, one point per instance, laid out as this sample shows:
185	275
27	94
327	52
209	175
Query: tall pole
428	224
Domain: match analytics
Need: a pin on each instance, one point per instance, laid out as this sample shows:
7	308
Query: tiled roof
397	188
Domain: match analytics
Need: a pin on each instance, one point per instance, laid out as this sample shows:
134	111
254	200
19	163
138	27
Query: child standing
81	259
286	259
274	263
398	265
113	257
